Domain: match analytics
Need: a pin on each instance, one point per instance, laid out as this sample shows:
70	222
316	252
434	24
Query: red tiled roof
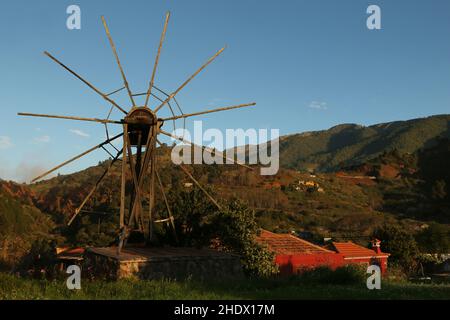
288	244
70	253
352	250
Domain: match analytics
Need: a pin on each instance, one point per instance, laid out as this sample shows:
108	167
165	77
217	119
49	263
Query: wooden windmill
141	128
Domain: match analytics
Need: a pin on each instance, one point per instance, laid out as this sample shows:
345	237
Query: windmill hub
140	120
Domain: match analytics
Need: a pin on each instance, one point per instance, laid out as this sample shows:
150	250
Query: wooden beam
77	157
203	148
155	66
113	47
135	183
172	95
123	180
200	186
104	96
68	118
169	212
209	111
78	210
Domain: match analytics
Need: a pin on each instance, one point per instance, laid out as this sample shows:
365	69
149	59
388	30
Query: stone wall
173	266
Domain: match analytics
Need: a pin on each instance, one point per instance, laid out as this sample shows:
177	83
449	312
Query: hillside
387	180
20	221
347	144
346	204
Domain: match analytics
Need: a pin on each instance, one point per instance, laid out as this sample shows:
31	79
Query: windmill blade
200	186
104	96
77	157
161	40
172	95
113	47
68	118
203	148
187	115
97	184
169	212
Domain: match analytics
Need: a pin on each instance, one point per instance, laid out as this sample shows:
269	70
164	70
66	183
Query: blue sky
309	65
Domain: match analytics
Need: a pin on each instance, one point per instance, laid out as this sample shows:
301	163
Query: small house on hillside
292	254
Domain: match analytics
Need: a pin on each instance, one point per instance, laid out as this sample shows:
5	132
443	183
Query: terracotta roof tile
350	249
289	244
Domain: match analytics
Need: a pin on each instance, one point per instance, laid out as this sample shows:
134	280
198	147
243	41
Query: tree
199	223
400	244
236	229
438	191
434	239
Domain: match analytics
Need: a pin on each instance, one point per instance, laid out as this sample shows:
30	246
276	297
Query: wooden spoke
203	148
161	40
113	47
68	118
172	95
200	186
104	96
77	211
169	212
187	115
77	157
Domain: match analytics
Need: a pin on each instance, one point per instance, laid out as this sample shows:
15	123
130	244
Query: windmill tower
141	128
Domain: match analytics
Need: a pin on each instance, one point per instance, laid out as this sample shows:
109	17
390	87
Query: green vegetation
286	288
20	223
350	143
401	245
385	175
199	223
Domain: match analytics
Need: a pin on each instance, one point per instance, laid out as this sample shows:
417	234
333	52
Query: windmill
141	129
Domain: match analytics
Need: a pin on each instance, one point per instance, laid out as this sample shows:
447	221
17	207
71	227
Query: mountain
348	144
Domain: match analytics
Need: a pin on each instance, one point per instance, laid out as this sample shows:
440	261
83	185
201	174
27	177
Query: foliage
236	229
400	244
345	275
40	261
438	191
350	143
434	239
198	222
20	223
193	213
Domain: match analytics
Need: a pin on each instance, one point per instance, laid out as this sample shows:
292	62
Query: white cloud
42	139
79	133
5	142
318	105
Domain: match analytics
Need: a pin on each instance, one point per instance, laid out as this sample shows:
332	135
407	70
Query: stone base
158	263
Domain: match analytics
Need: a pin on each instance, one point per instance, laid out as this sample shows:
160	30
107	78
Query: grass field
13	288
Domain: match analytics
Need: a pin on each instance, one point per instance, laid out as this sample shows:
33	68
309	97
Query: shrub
236	228
40	262
345	275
